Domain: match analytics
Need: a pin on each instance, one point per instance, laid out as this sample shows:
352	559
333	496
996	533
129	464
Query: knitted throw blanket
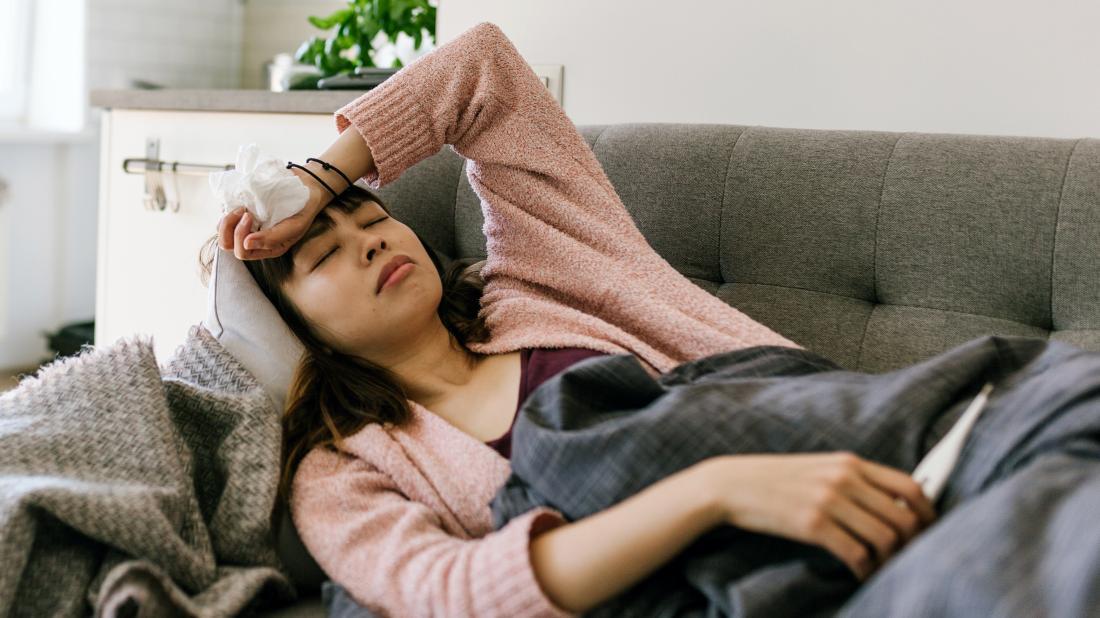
128	488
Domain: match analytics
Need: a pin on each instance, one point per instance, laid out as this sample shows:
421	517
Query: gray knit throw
133	489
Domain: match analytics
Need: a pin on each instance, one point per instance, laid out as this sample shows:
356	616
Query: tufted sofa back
877	249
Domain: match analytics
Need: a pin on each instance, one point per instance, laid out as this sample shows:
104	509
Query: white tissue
262	184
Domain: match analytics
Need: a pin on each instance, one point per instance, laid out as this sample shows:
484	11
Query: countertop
225	100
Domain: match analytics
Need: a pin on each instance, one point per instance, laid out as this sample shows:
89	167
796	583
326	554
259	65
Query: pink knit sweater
401	517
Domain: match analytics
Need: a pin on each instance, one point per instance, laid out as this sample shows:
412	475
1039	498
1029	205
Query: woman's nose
370	247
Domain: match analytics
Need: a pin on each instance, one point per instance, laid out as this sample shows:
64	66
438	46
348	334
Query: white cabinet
147	268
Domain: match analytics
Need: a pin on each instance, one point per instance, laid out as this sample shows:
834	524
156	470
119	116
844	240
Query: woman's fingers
233	235
898	483
277	239
883	505
848	548
866	527
868	513
226	226
254	241
244	226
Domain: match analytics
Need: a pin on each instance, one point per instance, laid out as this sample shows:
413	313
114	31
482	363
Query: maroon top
538	365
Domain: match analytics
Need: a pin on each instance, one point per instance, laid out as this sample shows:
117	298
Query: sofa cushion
247	324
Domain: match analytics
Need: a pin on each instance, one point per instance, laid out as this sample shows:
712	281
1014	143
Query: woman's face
335	275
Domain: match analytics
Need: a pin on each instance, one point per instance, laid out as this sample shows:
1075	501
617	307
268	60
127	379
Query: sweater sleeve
526	160
393	556
554	225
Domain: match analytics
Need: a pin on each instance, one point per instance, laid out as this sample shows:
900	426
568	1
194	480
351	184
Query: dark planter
68	340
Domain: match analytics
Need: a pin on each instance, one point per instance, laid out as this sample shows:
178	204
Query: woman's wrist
713	488
319	196
586	562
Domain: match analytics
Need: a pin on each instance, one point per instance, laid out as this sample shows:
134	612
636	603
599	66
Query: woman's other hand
839	501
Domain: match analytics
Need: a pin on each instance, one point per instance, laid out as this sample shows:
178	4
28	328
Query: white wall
193	44
1010	67
48	250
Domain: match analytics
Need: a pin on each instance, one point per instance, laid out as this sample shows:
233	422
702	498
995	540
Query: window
15	29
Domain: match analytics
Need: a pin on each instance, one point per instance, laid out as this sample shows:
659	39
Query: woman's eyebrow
322	224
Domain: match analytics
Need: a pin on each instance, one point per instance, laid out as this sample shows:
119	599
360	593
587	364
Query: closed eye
337	247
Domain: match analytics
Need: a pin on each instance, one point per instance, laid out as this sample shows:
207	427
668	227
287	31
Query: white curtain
42	65
14	57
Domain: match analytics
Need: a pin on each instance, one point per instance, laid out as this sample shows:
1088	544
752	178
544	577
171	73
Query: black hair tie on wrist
315	176
329	166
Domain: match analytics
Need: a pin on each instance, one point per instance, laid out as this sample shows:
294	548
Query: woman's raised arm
477	94
526	159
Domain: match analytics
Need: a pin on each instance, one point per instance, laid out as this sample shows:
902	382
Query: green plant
354	28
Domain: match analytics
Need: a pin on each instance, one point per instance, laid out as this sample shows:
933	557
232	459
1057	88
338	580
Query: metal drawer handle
140	166
154	169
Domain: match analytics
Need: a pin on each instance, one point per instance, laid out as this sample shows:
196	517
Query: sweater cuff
394	125
510	581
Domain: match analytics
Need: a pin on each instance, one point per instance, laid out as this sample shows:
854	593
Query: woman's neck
437	368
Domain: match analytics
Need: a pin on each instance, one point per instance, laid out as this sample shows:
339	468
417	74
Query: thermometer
932	472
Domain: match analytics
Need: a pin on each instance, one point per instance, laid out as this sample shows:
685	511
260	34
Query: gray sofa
877	249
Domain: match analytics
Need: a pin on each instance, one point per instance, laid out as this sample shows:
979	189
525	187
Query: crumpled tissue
262	184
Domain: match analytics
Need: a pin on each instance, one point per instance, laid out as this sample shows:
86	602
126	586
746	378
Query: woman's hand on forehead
234	228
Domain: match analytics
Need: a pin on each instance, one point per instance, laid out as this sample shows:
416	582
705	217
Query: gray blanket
129	491
1016	533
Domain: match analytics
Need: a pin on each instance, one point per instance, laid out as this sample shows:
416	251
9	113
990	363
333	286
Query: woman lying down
681	457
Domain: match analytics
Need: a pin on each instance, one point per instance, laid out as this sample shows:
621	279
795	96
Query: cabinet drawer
147	271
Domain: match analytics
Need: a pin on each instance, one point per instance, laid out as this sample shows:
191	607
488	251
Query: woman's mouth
396	276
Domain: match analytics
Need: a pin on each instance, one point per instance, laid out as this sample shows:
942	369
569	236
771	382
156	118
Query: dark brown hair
333	395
